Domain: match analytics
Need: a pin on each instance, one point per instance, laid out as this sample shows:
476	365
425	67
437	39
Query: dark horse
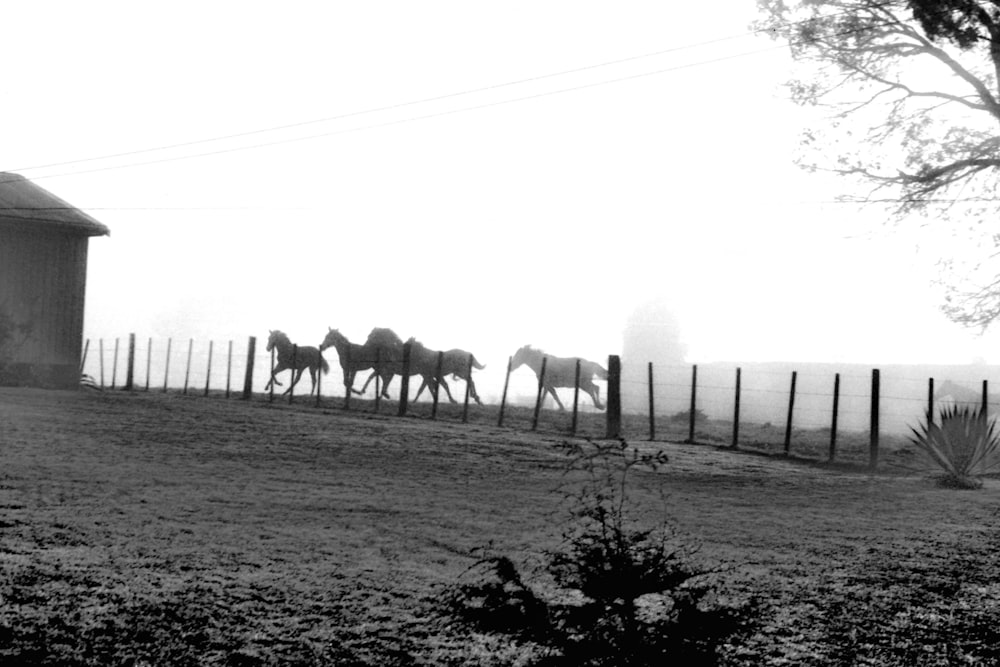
296	358
424	362
379	351
561	372
386	347
455	363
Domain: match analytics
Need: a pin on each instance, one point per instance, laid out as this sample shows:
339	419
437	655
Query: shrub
964	442
625	594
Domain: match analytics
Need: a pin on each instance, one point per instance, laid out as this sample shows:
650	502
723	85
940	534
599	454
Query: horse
297	359
454	363
561	372
354	357
386	347
424	362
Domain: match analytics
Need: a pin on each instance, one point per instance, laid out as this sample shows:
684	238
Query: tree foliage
912	91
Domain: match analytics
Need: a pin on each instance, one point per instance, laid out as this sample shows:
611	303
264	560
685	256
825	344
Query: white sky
494	222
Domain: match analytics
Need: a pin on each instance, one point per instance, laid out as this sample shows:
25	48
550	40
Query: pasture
158	528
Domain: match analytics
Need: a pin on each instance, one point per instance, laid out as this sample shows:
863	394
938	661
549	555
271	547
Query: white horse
561	372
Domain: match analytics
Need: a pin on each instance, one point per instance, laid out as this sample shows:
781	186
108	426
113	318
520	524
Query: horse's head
275	337
333	337
522	356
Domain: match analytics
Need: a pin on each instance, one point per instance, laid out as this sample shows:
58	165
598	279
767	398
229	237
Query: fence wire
765	394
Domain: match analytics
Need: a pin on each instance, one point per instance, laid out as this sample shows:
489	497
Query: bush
625	594
963	442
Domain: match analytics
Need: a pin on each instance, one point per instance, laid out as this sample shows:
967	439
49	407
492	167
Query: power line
800	202
411	119
389	107
412	103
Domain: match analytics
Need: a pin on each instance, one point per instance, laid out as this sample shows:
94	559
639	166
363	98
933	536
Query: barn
43	274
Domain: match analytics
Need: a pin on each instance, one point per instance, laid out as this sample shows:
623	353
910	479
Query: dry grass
184	530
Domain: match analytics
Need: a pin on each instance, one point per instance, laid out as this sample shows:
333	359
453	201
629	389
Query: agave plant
963	442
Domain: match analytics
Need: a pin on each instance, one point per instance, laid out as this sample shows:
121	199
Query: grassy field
167	529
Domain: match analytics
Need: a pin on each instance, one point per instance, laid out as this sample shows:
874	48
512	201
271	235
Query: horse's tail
477	365
323	364
600	372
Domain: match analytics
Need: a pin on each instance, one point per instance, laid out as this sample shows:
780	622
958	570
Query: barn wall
42	285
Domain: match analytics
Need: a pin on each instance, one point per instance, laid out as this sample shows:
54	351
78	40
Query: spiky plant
964	442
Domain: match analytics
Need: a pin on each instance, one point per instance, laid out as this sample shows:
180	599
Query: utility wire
411	119
389	107
411	103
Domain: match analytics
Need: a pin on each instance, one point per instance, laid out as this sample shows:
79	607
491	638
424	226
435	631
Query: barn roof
24	203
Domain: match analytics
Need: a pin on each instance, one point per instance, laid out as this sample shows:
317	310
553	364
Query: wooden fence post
248	373
130	369
270	394
404	383
100	349
652	408
836	412
208	370
503	397
873	444
538	399
229	368
166	368
319	380
736	410
83	357
614	407
149	360
930	401
378	378
348	374
114	366
187	372
437	383
694	395
291	379
791	409
468	390
576	398
986	400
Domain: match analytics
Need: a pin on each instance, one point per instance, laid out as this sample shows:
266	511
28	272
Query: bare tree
912	91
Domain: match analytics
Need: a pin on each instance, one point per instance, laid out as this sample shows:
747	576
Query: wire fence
743	405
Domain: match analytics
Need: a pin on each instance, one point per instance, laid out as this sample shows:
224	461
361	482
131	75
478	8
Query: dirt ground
168	529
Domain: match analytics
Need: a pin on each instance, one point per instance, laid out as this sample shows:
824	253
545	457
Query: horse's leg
274	372
447	390
296	375
423	385
367	382
552	390
348	381
594	392
472	390
386	379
